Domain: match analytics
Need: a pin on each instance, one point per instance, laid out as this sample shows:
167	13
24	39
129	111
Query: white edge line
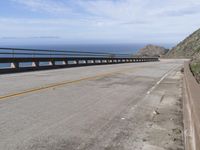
149	92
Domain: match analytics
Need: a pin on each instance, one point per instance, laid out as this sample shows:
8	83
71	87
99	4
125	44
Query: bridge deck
125	106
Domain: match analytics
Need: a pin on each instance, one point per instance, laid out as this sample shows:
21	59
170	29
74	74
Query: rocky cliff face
152	50
188	48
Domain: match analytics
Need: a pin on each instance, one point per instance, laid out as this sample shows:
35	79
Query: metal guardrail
35	53
15	57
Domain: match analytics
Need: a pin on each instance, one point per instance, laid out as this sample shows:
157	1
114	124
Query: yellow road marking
12	95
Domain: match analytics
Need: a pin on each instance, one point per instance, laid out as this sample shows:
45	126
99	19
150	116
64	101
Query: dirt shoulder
166	124
156	122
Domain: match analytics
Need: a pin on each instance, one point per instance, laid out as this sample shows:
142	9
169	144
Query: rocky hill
152	50
188	48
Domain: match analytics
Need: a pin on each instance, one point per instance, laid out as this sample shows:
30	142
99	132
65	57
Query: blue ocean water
111	48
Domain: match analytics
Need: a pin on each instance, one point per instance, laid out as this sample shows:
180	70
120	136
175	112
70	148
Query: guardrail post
65	62
84	61
52	63
15	65
13	53
35	64
76	61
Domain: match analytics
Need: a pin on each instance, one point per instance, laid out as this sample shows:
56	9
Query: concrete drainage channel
20	60
191	110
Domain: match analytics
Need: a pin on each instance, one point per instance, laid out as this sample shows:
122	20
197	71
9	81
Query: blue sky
97	21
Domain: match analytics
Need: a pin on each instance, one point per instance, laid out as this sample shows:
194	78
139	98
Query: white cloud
49	6
133	20
115	10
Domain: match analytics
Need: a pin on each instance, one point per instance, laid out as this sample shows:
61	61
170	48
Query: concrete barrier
77	62
191	111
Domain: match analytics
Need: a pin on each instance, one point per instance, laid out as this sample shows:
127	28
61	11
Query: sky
97	21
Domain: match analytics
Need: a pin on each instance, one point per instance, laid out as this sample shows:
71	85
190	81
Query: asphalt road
92	108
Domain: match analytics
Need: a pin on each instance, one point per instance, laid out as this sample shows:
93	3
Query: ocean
111	48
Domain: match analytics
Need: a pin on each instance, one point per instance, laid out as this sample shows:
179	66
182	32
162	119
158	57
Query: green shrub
195	68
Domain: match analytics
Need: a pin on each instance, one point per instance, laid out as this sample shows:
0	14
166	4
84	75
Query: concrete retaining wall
191	110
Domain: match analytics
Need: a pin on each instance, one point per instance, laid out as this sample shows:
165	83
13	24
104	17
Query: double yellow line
49	86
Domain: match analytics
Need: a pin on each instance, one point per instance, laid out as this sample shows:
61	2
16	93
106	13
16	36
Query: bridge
135	104
37	59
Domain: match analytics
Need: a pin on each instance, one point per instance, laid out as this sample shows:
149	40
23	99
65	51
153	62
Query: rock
155	112
152	50
177	131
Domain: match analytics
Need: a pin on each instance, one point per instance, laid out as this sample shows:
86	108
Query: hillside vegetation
187	48
195	64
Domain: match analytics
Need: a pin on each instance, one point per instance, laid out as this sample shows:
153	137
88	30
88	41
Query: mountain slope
187	48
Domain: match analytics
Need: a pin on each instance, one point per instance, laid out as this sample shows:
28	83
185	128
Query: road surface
109	107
